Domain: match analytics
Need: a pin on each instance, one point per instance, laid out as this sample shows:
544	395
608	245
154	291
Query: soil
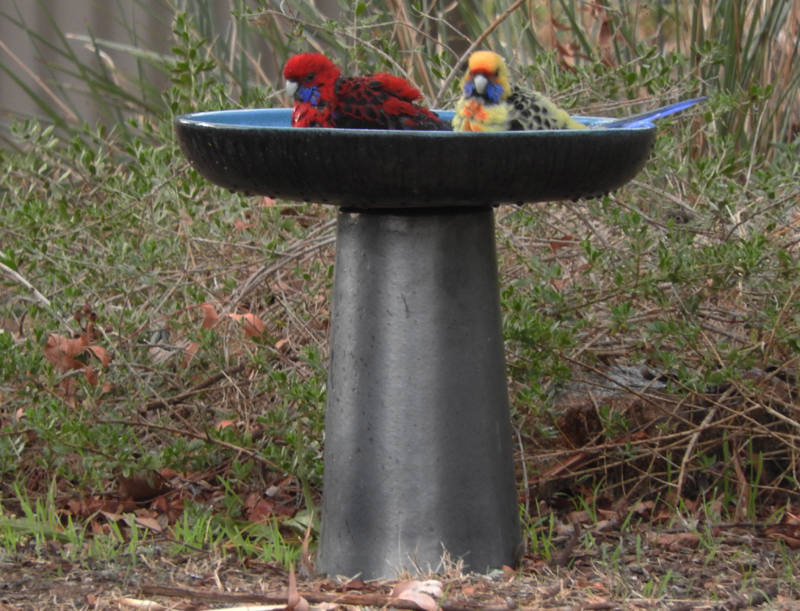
727	568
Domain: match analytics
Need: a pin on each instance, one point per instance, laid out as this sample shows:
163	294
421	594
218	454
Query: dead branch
159	403
361	600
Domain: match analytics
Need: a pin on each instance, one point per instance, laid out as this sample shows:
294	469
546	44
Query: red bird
324	98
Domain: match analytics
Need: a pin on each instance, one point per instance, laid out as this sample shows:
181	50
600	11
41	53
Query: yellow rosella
489	103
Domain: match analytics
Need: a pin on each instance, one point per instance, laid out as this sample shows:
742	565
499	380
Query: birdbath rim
256	151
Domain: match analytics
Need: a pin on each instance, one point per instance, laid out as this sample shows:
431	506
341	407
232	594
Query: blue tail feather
651	115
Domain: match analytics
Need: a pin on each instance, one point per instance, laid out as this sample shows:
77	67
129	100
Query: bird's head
307	74
487	77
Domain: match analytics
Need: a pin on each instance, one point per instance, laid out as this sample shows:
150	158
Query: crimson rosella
324	98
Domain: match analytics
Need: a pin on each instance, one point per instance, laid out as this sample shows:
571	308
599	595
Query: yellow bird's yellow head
487	77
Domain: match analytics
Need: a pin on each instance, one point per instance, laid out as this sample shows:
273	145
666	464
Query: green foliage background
691	269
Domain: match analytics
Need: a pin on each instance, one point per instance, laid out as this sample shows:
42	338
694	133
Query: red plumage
324	98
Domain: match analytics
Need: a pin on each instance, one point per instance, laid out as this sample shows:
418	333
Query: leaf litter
626	548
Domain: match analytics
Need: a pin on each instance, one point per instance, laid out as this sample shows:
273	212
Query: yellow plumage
474	116
489	103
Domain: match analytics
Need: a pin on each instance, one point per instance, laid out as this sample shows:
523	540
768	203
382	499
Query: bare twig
361	600
301	250
562	558
754	599
159	403
189	433
14	275
687	455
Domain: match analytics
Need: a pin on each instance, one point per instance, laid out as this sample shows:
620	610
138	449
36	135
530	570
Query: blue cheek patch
309	95
493	92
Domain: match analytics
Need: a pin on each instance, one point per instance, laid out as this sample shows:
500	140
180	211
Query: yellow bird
489	103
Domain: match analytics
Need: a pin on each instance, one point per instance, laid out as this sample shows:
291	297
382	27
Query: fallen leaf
682	539
101	353
790	541
421	593
190	350
150	523
142	486
210	316
90	374
261	511
253	327
61	351
135	603
239	225
562	242
353	584
295	602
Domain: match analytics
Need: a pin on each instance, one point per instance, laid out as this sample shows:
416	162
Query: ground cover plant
162	380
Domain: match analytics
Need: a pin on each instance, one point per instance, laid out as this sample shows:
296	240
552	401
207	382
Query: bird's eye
309	76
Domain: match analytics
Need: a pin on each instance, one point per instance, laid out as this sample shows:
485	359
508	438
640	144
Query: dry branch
159	403
360	600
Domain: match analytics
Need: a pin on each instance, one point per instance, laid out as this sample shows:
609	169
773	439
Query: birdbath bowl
418	463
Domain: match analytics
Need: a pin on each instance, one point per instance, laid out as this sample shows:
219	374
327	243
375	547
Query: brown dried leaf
135	603
189	351
253	326
101	353
112	517
61	351
678	540
150	523
210	316
239	225
261	511
306	566
353	584
421	593
90	374
142	486
790	541
605	44
563	242
566	57
295	602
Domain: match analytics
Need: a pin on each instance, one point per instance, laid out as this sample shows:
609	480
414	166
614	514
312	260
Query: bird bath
418	455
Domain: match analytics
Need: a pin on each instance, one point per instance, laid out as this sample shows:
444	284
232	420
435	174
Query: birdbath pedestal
418	466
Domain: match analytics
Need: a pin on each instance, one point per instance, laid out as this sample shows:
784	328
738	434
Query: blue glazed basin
258	152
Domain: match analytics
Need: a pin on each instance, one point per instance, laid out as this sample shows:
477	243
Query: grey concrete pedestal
418	459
